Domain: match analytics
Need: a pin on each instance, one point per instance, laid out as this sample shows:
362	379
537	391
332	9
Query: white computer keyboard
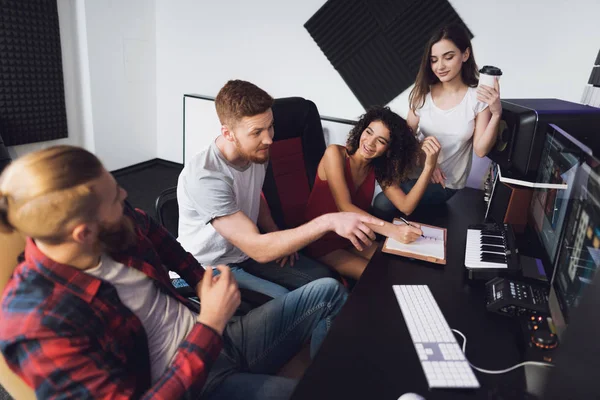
443	361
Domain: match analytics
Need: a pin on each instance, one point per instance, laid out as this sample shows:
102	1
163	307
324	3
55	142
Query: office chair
167	213
297	149
11	246
4	156
167	210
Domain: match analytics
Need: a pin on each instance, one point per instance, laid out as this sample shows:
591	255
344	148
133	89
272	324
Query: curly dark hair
403	152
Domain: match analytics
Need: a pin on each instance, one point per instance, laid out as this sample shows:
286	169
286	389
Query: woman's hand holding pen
407	233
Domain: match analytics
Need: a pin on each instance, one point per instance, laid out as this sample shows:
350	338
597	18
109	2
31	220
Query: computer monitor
561	157
577	367
579	251
491	200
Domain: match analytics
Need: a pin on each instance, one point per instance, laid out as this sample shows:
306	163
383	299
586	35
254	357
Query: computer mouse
411	396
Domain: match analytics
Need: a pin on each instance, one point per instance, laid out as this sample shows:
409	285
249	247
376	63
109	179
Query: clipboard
432	248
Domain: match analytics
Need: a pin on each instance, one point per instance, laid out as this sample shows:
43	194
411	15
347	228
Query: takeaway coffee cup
487	74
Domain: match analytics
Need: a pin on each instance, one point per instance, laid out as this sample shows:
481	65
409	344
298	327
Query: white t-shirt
210	187
166	320
454	130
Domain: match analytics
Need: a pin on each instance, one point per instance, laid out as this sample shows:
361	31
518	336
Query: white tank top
454	130
166	320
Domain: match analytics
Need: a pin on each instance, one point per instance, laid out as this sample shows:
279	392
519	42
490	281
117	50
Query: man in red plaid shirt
91	312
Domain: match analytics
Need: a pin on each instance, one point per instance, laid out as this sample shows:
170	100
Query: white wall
121	40
544	48
202	44
128	63
109	66
76	80
202	126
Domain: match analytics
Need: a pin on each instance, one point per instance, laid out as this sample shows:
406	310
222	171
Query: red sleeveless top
321	202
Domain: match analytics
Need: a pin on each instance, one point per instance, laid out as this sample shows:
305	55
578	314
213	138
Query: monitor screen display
579	254
560	159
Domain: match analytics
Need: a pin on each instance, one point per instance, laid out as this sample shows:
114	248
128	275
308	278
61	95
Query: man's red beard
117	237
253	157
260	160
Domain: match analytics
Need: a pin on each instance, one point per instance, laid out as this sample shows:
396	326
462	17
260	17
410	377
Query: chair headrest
291	114
11	245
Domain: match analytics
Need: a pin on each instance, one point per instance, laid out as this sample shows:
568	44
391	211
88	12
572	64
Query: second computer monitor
561	157
579	252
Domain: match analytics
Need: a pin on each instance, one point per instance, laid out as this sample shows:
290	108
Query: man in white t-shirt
221	208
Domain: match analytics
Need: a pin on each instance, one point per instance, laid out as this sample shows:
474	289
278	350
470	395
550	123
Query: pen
408	223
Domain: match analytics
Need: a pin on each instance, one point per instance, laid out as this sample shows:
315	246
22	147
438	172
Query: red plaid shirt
67	334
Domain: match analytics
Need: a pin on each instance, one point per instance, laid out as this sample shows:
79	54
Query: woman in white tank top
446	103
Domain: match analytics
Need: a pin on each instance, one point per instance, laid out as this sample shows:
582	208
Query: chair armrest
250	298
11	245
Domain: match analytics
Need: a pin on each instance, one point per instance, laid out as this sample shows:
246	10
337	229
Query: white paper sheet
432	245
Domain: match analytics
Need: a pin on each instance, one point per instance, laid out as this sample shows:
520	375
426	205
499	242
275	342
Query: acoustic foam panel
595	77
32	100
376	45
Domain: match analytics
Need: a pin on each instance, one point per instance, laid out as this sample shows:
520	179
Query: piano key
496	262
494	256
478	257
488	233
493	249
491	254
488	240
491	237
492	259
499	235
491	232
483	264
474	249
489	258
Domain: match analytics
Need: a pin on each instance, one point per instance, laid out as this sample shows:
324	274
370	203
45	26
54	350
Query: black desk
368	353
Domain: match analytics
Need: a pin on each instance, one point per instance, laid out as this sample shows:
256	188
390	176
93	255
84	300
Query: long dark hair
402	153
425	78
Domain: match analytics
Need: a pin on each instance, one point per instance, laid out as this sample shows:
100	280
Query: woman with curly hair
381	147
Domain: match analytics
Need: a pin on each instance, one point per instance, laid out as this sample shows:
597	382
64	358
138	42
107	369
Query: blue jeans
274	281
434	194
258	344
